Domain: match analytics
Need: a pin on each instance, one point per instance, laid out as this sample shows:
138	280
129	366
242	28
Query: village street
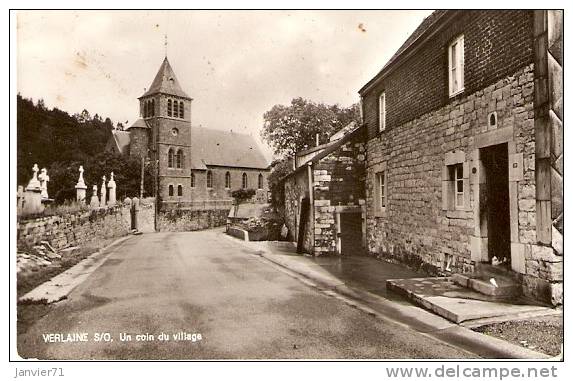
208	284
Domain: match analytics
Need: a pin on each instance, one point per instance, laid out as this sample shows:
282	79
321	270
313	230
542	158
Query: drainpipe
311	203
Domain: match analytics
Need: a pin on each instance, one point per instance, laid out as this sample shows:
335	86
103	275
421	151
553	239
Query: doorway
495	163
351	234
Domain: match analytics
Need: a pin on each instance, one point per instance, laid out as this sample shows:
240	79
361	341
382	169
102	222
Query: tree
280	169
292	128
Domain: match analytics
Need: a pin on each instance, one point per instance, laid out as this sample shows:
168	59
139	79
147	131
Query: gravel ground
543	334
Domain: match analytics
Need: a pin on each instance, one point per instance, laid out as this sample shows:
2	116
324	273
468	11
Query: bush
242	195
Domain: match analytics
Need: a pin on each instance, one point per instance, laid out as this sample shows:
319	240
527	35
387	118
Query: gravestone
94	201
111	188
44	179
81	186
33	195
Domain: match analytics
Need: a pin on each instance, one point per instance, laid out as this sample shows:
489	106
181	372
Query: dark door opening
495	162
351	234
304	212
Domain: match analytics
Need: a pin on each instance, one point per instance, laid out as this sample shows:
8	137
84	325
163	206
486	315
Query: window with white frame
381	183
458	177
456	66
382	112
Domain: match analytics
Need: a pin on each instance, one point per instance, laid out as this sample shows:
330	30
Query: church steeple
165	82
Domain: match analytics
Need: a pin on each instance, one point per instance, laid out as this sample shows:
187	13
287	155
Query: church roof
225	148
139	123
165	82
122	140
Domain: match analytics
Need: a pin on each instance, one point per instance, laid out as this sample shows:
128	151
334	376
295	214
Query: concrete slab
458	304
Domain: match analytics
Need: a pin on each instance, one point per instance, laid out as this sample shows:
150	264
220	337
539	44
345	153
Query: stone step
506	286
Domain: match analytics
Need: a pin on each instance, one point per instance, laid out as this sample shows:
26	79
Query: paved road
203	282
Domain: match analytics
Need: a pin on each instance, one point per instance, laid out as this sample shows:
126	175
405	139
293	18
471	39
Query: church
194	164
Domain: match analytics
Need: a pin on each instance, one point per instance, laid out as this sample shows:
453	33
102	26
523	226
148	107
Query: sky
234	64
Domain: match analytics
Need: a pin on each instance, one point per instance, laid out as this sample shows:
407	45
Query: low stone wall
190	220
74	228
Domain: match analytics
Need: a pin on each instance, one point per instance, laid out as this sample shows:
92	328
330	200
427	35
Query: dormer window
456	66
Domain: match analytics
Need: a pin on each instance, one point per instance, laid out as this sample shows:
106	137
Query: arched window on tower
153	107
180	158
179	190
169	107
209	179
170	157
175	109
192	180
181	110
245	181
144	109
228	180
170	190
260	181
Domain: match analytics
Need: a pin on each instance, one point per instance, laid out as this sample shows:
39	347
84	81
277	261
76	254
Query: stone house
465	148
194	165
324	196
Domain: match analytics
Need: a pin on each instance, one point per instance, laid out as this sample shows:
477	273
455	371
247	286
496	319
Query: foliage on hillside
61	143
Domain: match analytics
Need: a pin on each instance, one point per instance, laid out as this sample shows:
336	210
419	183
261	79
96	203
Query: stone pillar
111	189
81	186
548	111
33	196
94	201
103	192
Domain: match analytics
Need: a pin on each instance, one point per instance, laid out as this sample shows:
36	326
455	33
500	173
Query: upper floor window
175	109
170	158
179	159
245	181
260	181
192	180
209	179
181	110
169	107
153	107
228	180
382	112
456	66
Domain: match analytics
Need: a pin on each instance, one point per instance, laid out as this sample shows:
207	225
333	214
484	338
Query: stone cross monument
33	196
94	201
81	186
111	187
44	178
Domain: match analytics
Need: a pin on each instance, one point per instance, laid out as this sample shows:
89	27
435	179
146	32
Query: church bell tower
166	109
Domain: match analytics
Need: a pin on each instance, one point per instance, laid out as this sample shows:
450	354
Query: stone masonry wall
75	228
338	181
415	228
180	220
